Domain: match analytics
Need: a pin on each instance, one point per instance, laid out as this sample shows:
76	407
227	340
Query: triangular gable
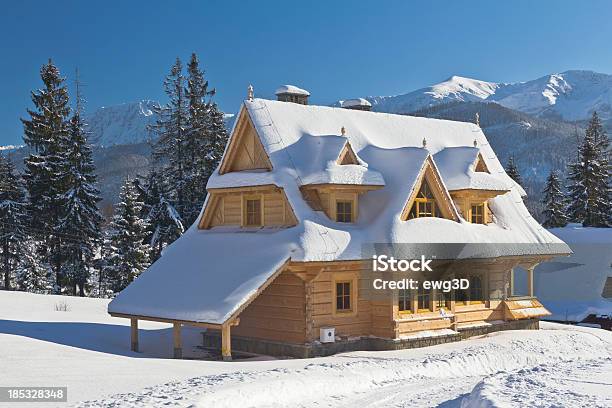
480	165
430	177
245	150
347	155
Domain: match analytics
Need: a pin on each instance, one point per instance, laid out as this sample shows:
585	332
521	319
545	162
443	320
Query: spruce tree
164	222
80	217
126	253
206	138
46	133
31	272
589	178
554	203
13	218
169	149
513	172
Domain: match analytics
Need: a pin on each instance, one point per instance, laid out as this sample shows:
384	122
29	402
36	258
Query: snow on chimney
291	93
357	104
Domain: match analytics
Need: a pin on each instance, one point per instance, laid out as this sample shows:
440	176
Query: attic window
477	212
424	204
344	211
252	212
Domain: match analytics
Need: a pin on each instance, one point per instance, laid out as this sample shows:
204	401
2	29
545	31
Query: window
424	203
462	297
253	212
404	299
477	214
476	290
443	300
473	295
343	296
344	211
423	298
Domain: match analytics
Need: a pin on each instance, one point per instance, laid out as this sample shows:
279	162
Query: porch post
178	348
226	342
511	282
530	281
134	333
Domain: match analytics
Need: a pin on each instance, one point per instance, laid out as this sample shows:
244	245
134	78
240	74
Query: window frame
351	214
352	279
426	293
245	211
407	300
483	208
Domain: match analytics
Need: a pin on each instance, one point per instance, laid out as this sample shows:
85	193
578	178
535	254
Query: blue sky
335	49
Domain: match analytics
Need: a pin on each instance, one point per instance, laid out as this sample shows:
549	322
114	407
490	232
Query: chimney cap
292	90
355	102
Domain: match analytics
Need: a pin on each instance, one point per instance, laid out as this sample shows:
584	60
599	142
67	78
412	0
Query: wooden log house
275	261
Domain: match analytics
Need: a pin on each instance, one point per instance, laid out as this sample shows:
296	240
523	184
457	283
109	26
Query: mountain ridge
570	95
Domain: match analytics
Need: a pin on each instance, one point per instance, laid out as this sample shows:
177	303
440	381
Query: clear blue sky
335	49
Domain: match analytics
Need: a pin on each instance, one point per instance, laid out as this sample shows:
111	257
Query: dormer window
252	215
477	213
344	211
424	203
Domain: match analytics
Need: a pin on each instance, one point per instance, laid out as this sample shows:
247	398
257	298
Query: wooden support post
226	342
511	282
178	348
530	291
134	334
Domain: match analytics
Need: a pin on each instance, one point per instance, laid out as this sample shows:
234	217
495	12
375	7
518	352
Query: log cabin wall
278	313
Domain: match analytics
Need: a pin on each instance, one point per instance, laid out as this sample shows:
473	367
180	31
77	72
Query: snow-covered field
87	350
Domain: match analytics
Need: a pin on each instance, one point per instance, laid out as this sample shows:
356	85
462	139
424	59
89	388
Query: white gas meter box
327	334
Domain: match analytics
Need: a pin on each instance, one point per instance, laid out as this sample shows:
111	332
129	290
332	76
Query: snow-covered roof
291	89
457	166
202	277
355	102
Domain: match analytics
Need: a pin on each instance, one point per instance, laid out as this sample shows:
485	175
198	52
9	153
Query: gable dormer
245	150
347	155
429	197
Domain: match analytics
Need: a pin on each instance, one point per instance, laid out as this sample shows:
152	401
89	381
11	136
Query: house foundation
211	339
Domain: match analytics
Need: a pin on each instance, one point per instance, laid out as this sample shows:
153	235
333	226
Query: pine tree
13	218
126	253
513	171
589	178
46	133
165	224
554	203
32	274
80	217
171	126
206	138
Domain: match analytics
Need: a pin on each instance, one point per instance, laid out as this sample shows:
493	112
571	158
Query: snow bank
438	375
571	287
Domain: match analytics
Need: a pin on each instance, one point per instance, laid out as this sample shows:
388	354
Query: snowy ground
87	350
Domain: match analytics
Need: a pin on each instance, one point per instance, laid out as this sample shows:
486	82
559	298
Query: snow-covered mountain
126	124
570	95
121	124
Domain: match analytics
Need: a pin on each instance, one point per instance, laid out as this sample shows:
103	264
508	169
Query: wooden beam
530	290
176	334
511	283
134	334
213	326
226	342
